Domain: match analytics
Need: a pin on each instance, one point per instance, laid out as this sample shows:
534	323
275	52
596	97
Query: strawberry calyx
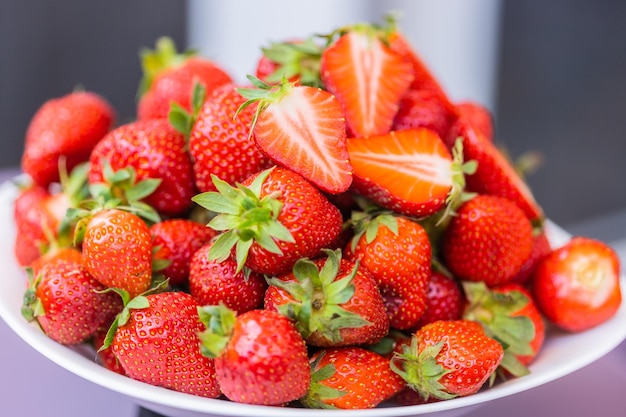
243	218
318	393
295	59
31	304
180	118
367	222
220	322
318	297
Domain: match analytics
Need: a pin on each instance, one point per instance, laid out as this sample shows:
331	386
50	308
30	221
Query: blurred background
553	73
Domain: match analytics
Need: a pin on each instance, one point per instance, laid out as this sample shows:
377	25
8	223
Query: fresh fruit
270	221
541	248
488	240
303	129
68	127
448	359
332	300
260	357
577	286
445	299
297	60
350	378
156	341
478	116
423	108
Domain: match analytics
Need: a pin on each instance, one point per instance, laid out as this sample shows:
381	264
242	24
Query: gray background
561	82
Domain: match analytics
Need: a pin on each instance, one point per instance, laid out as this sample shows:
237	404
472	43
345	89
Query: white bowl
562	354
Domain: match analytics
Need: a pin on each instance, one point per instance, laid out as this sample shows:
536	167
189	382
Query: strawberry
397	252
169	77
106	357
541	247
212	282
577	286
410	171
65	253
445	299
332	300
423	108
301	128
67	302
155	150
367	77
156	341
489	240
217	137
270	221
297	60
478	116
260	357
448	358
68	127
350	378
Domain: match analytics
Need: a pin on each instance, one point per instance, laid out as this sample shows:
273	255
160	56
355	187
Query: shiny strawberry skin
541	248
265	360
68	126
423	108
478	116
159	345
445	299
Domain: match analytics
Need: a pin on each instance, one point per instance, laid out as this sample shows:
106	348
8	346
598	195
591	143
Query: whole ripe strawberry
303	129
488	240
154	150
298	60
68	303
332	300
478	116
175	241
212	282
541	247
219	143
410	171
448	358
423	108
368	78
68	127
169	77
445	299
397	252
350	377
260	357
577	286
271	220
156	342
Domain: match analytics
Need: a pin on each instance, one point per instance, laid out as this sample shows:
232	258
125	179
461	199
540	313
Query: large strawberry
271	220
69	127
169	77
368	78
301	128
350	378
333	301
260	357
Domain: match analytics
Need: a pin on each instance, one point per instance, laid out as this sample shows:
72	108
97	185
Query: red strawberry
260	358
447	359
275	218
68	303
169	77
350	378
541	248
577	286
106	357
176	241
478	116
488	240
368	78
219	143
297	60
332	300
410	171
212	282
69	127
302	128
65	253
397	252
156	342
445	299
423	108
155	150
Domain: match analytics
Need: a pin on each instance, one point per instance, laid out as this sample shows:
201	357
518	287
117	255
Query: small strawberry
271	220
445	299
448	359
368	78
297	60
332	301
260	357
350	378
68	127
301	128
577	286
423	108
169	77
175	241
478	116
106	357
155	339
212	282
488	240
541	247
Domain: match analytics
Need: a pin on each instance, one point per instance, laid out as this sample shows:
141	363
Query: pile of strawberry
333	234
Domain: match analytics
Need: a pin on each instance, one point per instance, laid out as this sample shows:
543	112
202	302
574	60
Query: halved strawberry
410	171
368	78
303	129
